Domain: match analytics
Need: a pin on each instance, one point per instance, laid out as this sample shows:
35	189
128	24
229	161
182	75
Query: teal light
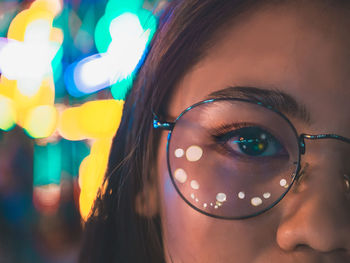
57	65
148	22
47	164
53	159
120	89
76	151
116	8
122	35
113	5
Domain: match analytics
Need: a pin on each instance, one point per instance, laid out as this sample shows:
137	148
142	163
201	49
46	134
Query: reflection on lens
221	197
267	195
194	153
194	185
256	201
283	182
180	175
241	195
179	153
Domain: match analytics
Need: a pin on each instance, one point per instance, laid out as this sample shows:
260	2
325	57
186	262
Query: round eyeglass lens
232	158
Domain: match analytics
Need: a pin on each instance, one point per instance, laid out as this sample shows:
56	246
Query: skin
302	51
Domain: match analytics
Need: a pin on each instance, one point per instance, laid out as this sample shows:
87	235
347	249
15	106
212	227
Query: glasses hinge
157	124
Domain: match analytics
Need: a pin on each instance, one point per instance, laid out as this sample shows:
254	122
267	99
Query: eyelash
222	130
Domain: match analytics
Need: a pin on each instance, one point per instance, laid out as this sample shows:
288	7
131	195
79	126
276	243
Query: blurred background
65	69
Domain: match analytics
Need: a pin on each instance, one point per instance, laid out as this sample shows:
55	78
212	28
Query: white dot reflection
283	182
218	203
211	204
180	175
256	201
197	200
267	195
179	153
192	195
216	207
221	197
241	195
205	205
194	185
194	153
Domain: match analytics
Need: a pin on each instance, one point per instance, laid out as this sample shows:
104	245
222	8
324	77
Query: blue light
99	71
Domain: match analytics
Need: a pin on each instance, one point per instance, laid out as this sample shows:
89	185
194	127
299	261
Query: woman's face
303	52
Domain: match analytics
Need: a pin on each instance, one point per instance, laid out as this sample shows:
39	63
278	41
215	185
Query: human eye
249	141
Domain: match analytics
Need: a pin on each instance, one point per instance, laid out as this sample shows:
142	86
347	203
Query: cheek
190	236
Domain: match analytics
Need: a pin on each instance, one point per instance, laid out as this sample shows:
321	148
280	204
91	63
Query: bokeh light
92	120
65	70
41	121
47	164
46	198
7	114
28	60
91	174
129	35
114	8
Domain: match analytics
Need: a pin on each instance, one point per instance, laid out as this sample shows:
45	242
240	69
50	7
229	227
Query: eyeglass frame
300	139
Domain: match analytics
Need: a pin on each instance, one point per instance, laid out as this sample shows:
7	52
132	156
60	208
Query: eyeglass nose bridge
304	136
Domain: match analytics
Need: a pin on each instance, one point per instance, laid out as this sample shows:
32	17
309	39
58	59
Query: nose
316	211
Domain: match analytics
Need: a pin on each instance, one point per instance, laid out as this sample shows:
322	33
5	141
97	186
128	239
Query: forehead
302	51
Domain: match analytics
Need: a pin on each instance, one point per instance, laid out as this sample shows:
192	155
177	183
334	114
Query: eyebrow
275	98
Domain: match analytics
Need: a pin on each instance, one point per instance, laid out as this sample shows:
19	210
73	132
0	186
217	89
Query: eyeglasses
233	158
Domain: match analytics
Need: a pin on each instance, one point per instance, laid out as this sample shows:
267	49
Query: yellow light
51	6
95	120
41	121
40	9
33	30
100	119
68	126
91	174
7	113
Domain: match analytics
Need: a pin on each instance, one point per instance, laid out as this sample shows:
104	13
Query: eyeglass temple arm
157	124
304	136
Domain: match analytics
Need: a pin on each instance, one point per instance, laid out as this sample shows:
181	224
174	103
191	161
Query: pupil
253	141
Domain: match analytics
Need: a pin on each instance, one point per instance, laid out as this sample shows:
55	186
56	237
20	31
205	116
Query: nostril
301	247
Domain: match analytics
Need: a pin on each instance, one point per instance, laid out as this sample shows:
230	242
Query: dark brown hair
114	231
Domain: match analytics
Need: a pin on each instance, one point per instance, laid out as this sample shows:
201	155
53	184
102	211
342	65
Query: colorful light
46	198
7	114
25	64
93	120
113	9
91	174
41	121
28	60
128	43
97	120
120	89
47	164
30	66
